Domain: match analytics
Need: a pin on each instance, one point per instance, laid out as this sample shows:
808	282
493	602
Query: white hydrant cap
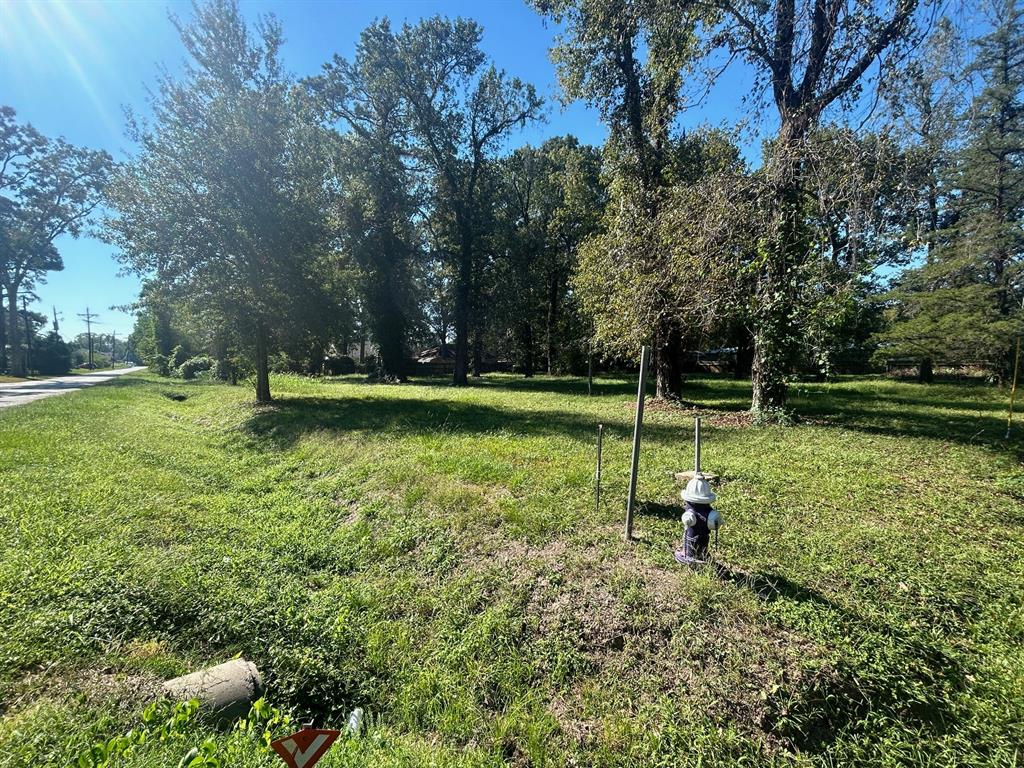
714	520
697	491
689	519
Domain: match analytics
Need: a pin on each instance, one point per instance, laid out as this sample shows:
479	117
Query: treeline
278	222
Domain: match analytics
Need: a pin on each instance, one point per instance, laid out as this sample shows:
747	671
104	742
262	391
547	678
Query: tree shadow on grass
288	419
911	683
968	421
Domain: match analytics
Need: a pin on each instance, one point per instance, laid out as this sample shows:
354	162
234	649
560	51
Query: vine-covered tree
616	279
626	58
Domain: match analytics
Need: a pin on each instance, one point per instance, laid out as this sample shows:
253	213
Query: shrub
194	366
339	366
224	370
52	356
160	364
282	362
178	356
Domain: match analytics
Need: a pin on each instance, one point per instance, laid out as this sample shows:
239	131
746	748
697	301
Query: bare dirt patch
711	417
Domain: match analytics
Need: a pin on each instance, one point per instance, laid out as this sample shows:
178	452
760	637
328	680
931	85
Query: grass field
433	555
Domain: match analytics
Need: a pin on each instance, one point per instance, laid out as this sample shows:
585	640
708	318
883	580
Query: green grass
433	555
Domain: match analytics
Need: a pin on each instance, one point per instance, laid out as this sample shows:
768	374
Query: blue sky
69	67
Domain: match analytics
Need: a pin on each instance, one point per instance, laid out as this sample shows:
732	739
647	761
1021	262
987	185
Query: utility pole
56	326
88	316
113	349
28	337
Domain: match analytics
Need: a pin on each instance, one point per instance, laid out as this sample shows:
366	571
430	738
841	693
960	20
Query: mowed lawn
433	555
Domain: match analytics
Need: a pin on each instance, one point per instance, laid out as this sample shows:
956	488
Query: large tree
807	58
48	188
963	303
377	203
225	201
461	109
926	99
700	233
550	200
626	58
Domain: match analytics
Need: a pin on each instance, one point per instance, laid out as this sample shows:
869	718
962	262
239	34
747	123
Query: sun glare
39	38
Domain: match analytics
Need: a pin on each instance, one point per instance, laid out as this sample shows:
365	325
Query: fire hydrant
699	520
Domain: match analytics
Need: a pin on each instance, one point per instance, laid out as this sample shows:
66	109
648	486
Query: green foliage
225	203
178	357
195	366
683	264
963	304
48	188
51	356
461	108
166	726
160	365
549	200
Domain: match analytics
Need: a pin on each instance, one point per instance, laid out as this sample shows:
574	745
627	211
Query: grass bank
433	555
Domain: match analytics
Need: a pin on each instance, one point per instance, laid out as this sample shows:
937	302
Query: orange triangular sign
303	749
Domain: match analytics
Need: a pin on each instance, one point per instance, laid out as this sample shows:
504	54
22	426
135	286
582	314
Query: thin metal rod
645	353
590	372
597	472
696	446
1013	389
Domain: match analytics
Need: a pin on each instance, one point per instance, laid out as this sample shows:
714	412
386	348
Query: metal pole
590	371
1013	389
696	446
597	472
637	426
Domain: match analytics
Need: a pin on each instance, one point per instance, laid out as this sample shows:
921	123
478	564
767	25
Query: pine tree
963	303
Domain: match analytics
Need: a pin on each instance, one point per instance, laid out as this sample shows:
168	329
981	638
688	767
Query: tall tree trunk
16	363
925	374
462	302
668	361
526	348
3	336
442	338
552	318
775	339
262	366
744	343
478	353
163	337
389	333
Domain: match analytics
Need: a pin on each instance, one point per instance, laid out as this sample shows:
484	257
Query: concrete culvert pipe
228	689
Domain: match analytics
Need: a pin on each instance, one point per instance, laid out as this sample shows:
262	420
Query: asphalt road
27	391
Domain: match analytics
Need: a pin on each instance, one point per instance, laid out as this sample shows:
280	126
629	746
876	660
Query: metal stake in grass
696	446
637	426
1013	389
597	472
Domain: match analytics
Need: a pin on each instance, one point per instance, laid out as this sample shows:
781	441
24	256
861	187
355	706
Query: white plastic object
355	722
714	520
689	519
